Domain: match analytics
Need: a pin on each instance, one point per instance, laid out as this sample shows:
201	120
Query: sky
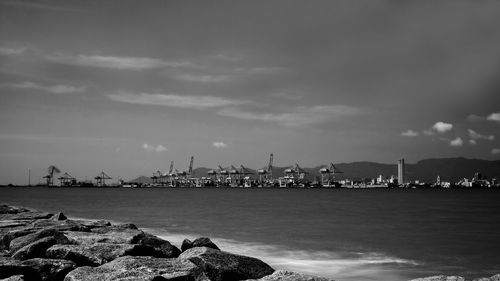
128	86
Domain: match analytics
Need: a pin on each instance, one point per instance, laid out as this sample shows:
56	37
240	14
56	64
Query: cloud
475	136
219	144
473	142
494	117
495	151
409	133
121	63
428	132
260	70
32	5
7	51
300	116
474	117
152	148
55	89
457	142
202	78
196	102
442	127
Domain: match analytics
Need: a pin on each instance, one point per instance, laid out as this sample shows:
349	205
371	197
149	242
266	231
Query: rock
14	278
117	227
10	267
283	275
492	278
139	268
50	269
106	235
24	240
440	278
221	266
204	242
59	217
38	248
186	245
166	249
98	253
65	225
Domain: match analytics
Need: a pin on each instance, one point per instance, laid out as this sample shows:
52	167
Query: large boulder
440	278
24	240
186	245
283	275
14	278
164	247
223	266
50	269
59	217
204	242
11	267
139	268
38	248
98	253
105	235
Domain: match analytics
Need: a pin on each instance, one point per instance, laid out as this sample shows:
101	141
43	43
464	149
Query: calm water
343	234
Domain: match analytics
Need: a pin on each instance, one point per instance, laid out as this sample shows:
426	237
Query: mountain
449	169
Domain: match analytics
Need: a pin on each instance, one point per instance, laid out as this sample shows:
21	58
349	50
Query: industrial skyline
128	86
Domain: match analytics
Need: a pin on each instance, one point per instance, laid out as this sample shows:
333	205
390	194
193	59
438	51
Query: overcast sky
128	86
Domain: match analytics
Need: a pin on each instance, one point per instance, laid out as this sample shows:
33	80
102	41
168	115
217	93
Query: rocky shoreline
40	246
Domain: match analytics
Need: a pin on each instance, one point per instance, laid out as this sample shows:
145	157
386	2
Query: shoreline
26	222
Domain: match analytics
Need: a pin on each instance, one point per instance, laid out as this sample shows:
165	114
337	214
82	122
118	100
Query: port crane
51	170
328	173
268	172
67	180
101	179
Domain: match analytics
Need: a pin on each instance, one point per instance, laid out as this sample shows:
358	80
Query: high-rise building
401	171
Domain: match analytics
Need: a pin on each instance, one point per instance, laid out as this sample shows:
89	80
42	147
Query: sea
344	234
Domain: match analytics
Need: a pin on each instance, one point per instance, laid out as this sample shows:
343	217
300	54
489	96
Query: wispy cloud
495	151
474	117
40	6
173	100
219	144
300	116
457	142
476	136
473	142
202	78
154	148
260	70
10	51
494	117
55	89
409	133
121	63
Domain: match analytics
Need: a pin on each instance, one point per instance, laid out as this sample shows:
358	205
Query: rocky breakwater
36	246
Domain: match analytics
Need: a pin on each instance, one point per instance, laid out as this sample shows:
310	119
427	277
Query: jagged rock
14	278
22	241
204	242
11	267
492	278
440	278
50	269
164	247
38	248
186	245
283	275
98	253
116	227
59	217
20	213
139	268
222	266
107	234
65	225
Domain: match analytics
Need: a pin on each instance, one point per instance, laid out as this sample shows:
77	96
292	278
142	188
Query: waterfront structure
67	180
401	171
101	179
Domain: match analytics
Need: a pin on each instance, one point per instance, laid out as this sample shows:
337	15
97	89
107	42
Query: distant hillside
449	169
